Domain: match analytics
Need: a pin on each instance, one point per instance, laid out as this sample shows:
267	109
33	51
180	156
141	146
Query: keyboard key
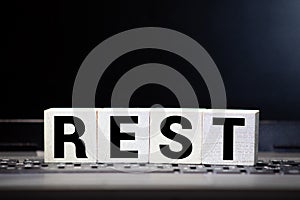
261	164
27	166
3	163
94	166
36	162
276	161
60	166
293	171
176	170
228	172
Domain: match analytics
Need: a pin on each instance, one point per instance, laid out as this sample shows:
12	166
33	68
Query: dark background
255	44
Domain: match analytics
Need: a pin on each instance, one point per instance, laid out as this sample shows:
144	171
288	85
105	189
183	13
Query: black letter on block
228	134
60	138
116	137
184	141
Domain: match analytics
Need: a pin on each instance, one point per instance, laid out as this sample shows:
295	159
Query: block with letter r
70	135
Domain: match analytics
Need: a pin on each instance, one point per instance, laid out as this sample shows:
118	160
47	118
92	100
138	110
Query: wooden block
232	143
175	135
123	135
70	135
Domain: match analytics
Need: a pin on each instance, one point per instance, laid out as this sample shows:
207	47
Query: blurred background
255	44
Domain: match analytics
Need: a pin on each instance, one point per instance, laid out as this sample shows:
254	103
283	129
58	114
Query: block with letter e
70	135
123	135
230	137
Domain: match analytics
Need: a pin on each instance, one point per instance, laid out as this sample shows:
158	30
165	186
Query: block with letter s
175	135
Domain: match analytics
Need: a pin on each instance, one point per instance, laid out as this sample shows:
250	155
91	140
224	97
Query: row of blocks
155	135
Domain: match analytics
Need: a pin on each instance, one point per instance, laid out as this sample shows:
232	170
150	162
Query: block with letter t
230	137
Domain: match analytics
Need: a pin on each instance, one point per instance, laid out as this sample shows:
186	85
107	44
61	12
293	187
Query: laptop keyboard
279	167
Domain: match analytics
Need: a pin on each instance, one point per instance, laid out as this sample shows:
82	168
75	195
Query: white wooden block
69	140
175	135
123	135
232	143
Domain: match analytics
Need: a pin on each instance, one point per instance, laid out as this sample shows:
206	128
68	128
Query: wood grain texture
141	135
245	137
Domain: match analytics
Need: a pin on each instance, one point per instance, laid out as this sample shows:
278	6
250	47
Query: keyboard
270	167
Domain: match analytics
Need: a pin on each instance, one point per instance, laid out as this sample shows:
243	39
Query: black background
255	44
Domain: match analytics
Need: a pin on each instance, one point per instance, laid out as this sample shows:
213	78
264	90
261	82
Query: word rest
154	135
